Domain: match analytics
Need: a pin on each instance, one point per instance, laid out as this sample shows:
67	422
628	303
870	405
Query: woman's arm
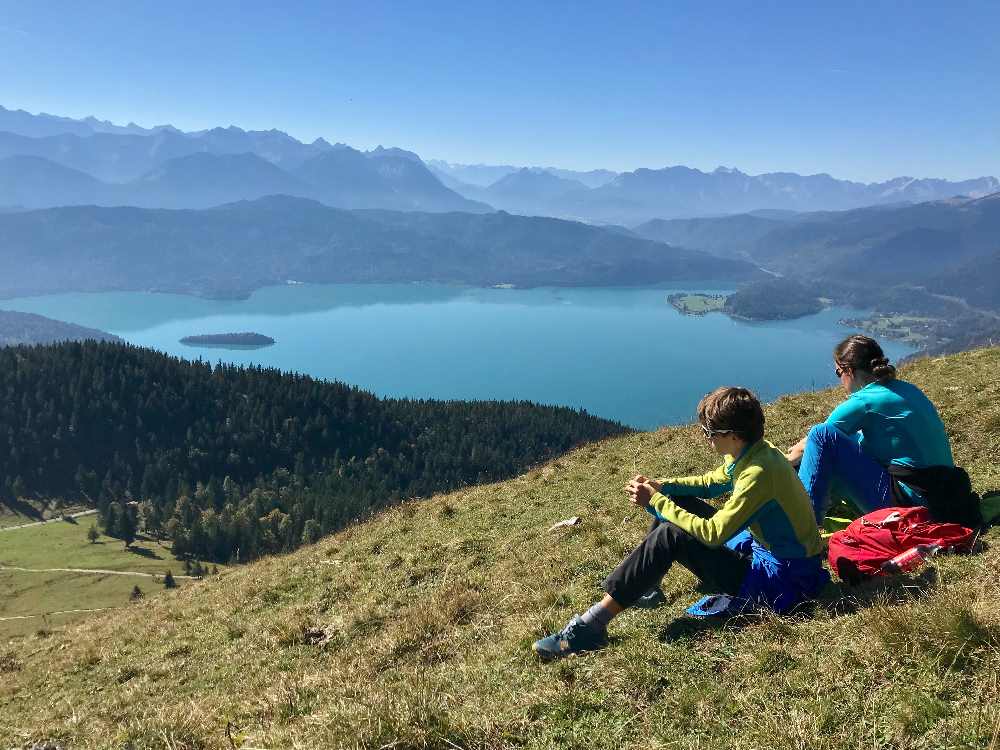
848	417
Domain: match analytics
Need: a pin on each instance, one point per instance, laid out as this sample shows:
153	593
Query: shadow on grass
692	628
846	599
838	599
696	628
144	552
25	509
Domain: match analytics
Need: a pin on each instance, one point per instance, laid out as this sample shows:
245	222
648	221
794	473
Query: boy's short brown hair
736	409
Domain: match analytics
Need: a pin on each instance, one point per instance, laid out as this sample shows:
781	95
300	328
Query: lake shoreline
424	341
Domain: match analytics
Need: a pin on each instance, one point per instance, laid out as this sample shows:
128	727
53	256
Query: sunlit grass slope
413	630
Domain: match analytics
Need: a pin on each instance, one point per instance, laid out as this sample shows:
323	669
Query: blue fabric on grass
778	584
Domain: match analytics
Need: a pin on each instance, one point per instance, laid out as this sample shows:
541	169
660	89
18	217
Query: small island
247	340
773	299
697	304
770	299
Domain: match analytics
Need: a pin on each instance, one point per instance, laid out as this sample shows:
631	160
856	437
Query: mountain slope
110	157
529	191
236	248
201	180
18	328
384	178
34	182
898	244
729	236
977	282
413	630
911	242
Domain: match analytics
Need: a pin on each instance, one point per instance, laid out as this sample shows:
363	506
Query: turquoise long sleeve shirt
896	423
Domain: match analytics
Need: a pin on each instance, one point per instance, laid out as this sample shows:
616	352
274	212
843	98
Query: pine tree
168	581
93	534
136	594
127	525
311	532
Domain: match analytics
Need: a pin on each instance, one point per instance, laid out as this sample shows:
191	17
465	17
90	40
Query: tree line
232	462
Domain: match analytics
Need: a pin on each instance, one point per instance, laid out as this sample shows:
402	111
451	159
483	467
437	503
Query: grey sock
598	617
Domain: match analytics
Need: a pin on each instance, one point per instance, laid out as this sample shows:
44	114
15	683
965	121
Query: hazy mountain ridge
339	177
906	243
233	249
148	167
126	153
17	328
678	192
682	192
43	124
484	175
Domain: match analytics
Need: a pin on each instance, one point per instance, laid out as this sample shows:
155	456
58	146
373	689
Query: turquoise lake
625	354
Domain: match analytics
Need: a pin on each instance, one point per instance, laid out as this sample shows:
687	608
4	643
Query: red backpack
859	551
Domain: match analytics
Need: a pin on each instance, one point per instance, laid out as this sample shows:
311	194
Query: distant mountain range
139	166
674	192
233	249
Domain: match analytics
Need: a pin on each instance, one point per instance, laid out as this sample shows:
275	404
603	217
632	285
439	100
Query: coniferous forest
233	462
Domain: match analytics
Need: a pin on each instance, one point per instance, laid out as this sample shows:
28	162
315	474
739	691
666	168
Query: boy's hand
640	490
640	479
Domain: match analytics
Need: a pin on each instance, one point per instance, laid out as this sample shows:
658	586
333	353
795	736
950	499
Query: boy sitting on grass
762	547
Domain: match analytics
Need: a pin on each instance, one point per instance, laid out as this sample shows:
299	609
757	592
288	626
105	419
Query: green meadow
64	544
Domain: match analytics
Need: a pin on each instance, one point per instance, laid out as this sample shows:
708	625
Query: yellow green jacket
768	500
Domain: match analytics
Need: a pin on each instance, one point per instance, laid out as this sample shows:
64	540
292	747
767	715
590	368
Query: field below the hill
413	629
40	590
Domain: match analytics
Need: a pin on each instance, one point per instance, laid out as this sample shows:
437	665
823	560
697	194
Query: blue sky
860	90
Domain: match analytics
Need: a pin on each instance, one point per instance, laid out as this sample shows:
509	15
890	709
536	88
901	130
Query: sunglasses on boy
841	369
710	433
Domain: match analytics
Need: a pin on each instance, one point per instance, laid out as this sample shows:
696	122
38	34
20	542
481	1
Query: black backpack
947	490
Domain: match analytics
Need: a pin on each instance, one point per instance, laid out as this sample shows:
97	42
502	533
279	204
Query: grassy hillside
413	630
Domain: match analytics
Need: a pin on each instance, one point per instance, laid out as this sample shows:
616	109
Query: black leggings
719	568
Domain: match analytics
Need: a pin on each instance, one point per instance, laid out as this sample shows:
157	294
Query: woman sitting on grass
884	421
777	563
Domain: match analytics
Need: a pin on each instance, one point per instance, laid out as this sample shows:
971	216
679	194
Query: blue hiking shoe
576	638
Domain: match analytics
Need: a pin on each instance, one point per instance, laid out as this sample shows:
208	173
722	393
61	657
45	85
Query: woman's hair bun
881	368
862	353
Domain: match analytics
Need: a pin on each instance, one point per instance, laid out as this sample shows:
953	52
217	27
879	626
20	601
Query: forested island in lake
769	299
246	339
